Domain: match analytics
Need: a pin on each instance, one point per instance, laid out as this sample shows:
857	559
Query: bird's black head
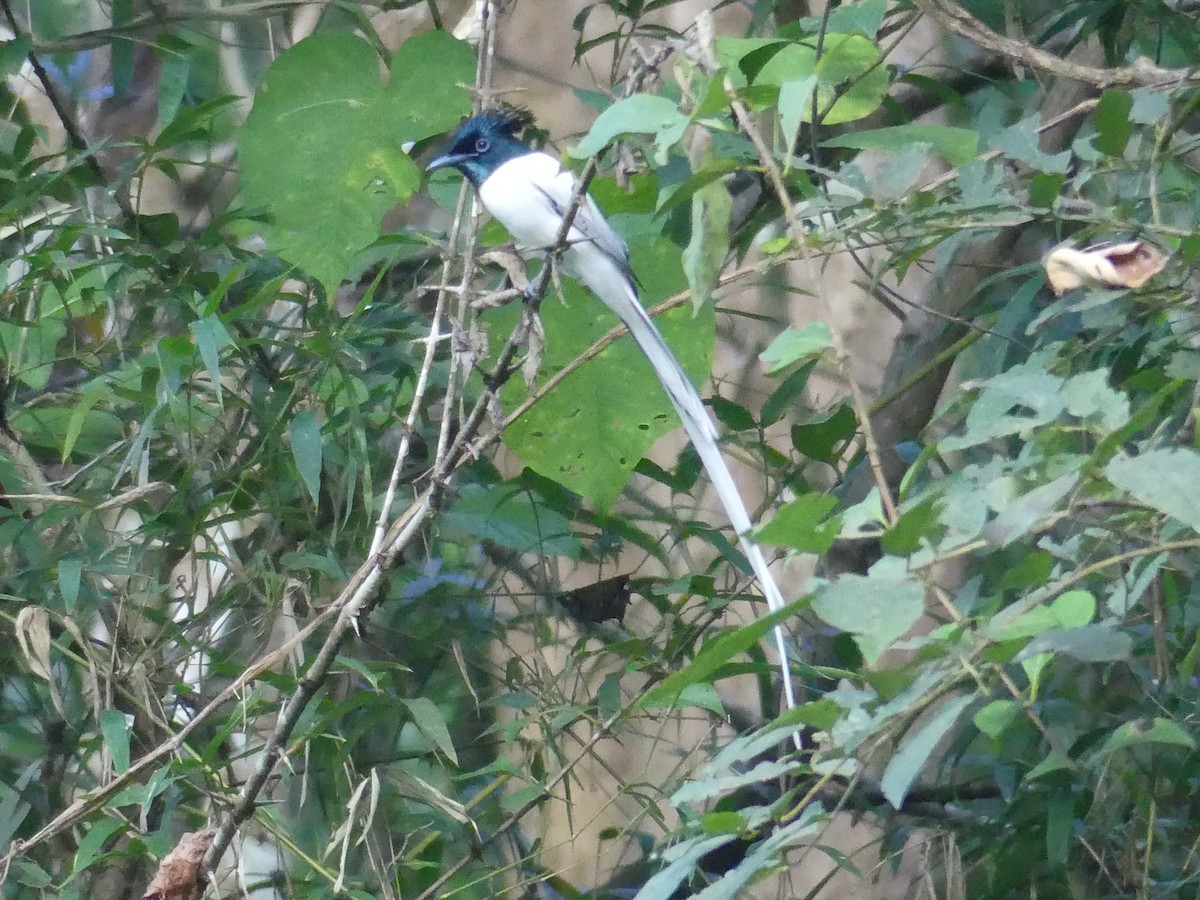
484	142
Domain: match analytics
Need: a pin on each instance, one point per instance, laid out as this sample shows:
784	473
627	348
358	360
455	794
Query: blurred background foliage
238	330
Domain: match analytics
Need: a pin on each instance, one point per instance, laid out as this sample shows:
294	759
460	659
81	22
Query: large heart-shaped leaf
321	149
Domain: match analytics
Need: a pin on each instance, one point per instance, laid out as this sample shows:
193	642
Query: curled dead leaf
179	876
1128	265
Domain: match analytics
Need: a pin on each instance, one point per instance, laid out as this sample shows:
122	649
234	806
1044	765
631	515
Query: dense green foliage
998	653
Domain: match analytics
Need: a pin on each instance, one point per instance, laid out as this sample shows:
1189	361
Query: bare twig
1143	73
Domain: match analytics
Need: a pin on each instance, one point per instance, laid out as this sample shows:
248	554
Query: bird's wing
589	222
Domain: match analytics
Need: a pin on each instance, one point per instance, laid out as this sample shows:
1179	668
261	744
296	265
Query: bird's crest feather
506	119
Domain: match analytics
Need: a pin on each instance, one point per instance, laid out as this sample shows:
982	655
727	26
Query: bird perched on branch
530	193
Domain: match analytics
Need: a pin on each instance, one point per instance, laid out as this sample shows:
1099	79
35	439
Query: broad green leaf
955	145
115	728
70	575
429	720
1060	818
863	18
713	655
848	68
321	149
876	608
176	55
14	808
1017	517
46	427
823	435
305	433
795	107
794	345
802	525
994	719
1088	643
35	346
1055	761
1113	126
1013	402
512	517
763	855
1088	396
93	842
639	114
1148	731
708	785
1167	480
589	433
681	859
904	767
704	256
1073	609
14	53
1021	142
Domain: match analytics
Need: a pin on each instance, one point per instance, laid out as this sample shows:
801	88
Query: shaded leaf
955	145
903	768
1167	480
877	609
589	433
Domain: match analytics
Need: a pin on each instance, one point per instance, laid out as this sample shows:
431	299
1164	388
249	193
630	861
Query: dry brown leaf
178	876
1128	265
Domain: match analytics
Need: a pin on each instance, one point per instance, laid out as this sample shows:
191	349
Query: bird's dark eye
482	145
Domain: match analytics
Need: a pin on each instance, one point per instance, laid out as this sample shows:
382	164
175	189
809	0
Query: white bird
530	193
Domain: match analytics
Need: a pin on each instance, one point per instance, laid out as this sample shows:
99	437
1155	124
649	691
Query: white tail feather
604	278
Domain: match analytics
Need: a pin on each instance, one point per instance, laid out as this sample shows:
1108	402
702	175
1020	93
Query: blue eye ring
482	145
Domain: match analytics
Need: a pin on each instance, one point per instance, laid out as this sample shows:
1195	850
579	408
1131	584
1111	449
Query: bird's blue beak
446	161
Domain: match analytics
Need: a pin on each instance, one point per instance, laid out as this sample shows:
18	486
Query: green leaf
848	68
589	433
904	767
994	719
1088	643
93	842
795	107
1060	817
801	525
14	808
1073	609
305	433
704	256
681	859
795	345
823	436
115	728
1113	126
70	574
876	608
715	653
176	56
955	145
211	335
325	135
431	723
513	517
1021	142
639	114
1013	402
1018	516
1144	731
13	54
1167	480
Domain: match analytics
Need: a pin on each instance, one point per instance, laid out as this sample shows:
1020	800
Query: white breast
519	194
